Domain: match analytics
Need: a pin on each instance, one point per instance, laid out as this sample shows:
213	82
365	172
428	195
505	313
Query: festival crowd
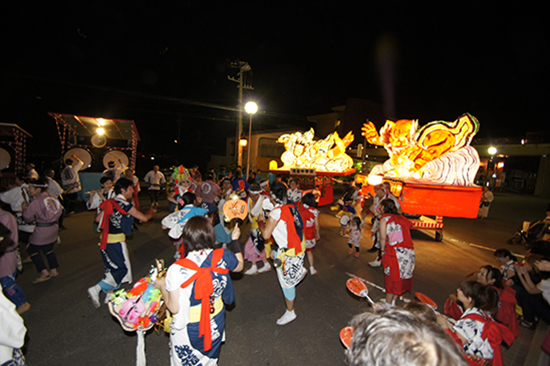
283	232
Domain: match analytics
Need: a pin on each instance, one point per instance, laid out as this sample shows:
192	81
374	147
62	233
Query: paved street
65	329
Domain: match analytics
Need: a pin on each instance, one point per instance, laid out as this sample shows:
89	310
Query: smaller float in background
315	161
431	169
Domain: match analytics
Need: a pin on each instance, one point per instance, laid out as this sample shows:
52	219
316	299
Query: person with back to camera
70	182
286	225
480	335
310	217
16	197
397	250
45	209
55	190
195	289
400	337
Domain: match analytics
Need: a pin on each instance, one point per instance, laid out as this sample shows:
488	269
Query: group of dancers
284	227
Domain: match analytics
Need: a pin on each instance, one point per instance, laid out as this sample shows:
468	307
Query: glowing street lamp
250	108
492	150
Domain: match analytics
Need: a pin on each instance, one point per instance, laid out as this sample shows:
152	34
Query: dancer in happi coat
286	227
195	289
116	219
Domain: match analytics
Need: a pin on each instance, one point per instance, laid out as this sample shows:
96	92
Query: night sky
156	62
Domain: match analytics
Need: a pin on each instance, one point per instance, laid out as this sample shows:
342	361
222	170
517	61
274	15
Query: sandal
41	279
526	324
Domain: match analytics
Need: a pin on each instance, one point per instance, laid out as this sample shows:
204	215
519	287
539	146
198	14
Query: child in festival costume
223	195
347	213
293	193
254	250
397	249
355	235
179	184
115	221
310	217
381	192
195	290
286	225
506	310
480	335
507	261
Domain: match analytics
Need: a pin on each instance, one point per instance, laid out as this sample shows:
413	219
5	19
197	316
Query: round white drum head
5	159
82	154
115	155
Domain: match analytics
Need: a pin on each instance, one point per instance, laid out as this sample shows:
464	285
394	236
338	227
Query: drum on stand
115	156
82	154
5	159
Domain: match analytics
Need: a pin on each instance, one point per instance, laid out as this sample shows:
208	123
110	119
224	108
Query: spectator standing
70	181
486	199
155	179
258	177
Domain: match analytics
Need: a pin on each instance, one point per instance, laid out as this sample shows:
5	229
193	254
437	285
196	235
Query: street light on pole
250	108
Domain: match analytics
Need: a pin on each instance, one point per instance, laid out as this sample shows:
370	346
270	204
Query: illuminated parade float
315	161
431	169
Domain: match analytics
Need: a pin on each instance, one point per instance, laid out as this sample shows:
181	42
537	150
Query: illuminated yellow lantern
273	165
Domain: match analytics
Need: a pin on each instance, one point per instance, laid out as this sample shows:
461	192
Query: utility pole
243	67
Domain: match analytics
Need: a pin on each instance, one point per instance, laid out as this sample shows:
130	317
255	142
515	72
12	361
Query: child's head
106	183
388	206
189	198
421	310
309	200
475	294
293	184
490	276
504	256
355	222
